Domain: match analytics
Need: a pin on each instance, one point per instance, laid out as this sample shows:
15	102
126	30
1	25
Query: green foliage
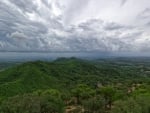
139	105
129	106
83	92
108	94
94	105
144	102
51	92
32	104
143	89
94	86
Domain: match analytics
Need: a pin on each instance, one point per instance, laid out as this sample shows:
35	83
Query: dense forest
71	85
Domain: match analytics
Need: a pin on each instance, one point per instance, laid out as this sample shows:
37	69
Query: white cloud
18	35
85	25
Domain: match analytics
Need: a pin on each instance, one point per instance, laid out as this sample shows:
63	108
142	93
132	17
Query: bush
140	104
94	105
32	104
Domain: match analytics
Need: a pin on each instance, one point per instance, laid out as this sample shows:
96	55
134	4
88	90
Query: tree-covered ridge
74	85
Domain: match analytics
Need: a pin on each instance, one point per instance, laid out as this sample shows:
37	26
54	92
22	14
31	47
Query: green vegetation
76	86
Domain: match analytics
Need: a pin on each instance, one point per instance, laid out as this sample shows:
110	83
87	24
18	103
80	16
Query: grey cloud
113	26
18	35
74	9
99	35
145	14
41	30
144	18
25	5
11	20
46	3
123	2
148	24
100	24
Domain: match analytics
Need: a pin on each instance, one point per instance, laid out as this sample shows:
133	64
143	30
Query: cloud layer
81	25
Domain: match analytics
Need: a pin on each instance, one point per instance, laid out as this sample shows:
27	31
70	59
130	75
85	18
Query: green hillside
32	76
71	78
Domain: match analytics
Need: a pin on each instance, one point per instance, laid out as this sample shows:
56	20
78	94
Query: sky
110	26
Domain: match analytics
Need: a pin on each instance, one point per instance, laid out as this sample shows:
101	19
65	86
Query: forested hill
65	74
30	76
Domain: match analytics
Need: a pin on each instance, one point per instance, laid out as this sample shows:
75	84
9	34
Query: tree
140	104
94	105
82	92
30	103
144	102
126	106
52	92
108	94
